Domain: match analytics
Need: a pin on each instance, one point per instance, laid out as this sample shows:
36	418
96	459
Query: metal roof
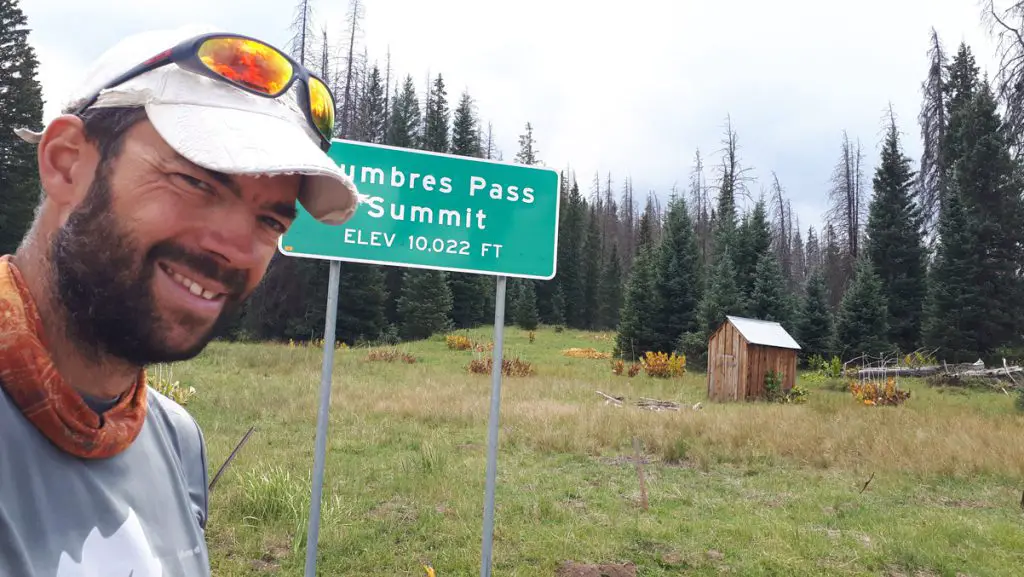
767	333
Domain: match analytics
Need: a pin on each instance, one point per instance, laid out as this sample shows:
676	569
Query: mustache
233	279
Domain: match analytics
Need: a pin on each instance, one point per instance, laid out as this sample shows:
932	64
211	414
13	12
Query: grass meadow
732	488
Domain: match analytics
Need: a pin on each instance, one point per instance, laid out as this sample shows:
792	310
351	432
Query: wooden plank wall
727	353
762	359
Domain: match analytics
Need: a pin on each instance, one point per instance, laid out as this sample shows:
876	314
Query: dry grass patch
407	449
585	353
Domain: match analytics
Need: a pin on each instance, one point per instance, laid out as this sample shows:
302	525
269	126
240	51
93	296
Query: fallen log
610	399
656	405
1000	373
992	378
879	372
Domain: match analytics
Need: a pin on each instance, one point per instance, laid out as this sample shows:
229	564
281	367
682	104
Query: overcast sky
631	88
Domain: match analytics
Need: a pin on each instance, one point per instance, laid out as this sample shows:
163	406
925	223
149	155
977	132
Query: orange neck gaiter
31	380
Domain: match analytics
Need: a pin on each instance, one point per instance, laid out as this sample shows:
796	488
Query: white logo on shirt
126	552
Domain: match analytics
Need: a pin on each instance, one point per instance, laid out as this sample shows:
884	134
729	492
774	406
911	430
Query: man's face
160	252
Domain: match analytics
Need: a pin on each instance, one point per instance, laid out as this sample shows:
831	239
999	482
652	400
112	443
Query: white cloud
631	88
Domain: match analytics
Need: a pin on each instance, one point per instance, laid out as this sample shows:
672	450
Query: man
166	186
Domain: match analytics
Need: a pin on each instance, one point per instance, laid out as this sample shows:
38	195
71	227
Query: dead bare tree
387	93
814	257
348	102
610	214
627	225
782	228
700	207
799	276
847	210
733	175
489	151
934	124
1007	25
300	46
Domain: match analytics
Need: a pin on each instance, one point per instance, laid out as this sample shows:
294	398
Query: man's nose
230	234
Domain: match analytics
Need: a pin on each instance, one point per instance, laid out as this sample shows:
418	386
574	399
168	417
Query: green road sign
438	211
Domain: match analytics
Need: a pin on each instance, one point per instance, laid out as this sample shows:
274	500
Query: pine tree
369	121
21	107
406	117
815	322
961	86
636	332
437	117
834	263
815	259
557	317
953	306
571	234
610	292
469	291
798	279
545	290
895	245
644	233
361	301
424	304
465	136
678	278
524	305
592	251
469	303
770	300
861	326
987	185
402	131
721	298
753	241
527	147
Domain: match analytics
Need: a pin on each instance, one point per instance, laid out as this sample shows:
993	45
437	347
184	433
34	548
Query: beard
104	285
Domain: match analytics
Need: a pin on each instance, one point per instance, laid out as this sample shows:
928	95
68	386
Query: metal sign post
492	431
322	418
430	210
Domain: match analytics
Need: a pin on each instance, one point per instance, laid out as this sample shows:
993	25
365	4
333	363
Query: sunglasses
249	64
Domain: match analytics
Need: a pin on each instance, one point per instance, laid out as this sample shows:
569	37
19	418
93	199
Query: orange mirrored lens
247	62
321	106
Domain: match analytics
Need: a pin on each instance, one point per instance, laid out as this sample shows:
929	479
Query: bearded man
166	184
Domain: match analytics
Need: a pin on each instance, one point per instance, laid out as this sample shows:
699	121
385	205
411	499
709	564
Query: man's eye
194	182
274	224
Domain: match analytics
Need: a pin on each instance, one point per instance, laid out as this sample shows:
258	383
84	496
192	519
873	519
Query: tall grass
773	488
557	411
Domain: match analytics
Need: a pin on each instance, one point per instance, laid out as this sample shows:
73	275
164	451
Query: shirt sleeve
190	446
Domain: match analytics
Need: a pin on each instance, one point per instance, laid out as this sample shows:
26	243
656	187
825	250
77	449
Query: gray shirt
141	513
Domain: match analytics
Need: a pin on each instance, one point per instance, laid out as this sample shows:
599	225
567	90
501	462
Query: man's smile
203	296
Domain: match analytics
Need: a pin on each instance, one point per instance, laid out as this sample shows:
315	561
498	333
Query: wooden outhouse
741	351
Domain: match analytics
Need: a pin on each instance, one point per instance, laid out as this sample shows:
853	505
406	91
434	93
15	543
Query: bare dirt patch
270	561
573	569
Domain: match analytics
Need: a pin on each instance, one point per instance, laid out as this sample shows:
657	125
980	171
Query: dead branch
657	405
231	457
867	482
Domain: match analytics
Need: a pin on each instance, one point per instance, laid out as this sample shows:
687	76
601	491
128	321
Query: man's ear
67	162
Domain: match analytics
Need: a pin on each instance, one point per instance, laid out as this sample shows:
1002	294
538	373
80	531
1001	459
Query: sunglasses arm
153	63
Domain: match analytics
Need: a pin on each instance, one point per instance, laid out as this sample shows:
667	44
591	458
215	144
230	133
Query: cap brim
235	141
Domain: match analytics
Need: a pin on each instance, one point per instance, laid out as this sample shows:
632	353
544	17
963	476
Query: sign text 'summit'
378	207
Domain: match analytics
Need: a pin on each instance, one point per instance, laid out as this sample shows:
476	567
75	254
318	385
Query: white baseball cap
216	125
